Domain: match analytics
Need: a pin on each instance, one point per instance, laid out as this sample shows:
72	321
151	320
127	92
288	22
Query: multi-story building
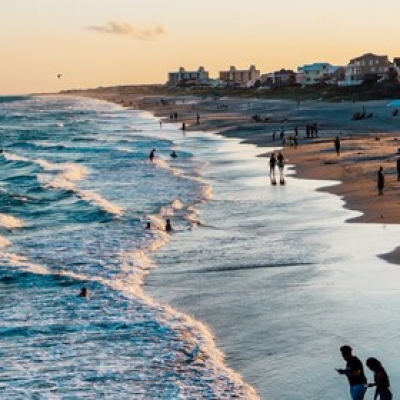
310	74
367	65
240	77
283	77
396	66
199	76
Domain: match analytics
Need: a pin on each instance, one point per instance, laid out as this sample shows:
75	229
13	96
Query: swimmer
84	293
168	227
148	225
173	154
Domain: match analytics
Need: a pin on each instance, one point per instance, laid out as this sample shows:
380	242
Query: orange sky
109	42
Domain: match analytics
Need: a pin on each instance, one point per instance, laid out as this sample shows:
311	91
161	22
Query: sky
94	43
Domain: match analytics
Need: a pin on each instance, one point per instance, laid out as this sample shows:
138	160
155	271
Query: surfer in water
151	156
173	154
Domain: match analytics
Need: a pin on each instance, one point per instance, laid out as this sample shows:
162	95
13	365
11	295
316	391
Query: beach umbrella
394	103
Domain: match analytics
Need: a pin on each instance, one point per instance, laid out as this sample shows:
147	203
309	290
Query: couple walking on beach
354	372
273	162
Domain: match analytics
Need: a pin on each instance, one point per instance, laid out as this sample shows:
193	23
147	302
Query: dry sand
365	145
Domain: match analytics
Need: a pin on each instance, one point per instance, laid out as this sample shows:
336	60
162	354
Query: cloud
125	29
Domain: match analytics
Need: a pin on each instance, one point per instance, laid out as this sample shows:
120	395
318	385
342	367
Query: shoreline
365	145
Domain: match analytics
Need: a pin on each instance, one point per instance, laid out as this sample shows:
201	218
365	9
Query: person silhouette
84	293
380	180
337	145
354	372
281	165
168	227
381	380
173	154
151	156
272	165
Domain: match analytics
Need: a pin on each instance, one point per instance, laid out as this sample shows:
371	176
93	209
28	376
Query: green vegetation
376	91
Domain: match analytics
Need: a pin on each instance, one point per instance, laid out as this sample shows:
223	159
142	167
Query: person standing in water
272	166
281	166
151	156
168	227
354	372
381	380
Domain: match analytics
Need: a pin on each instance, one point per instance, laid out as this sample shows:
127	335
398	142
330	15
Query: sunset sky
110	42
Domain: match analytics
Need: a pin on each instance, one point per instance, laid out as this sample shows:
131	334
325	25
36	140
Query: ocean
256	287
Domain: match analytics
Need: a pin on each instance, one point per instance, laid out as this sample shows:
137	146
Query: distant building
396	66
200	76
310	74
366	65
336	75
283	77
240	77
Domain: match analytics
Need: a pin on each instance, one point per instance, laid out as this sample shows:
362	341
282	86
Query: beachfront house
201	76
236	77
283	77
311	74
396	66
360	68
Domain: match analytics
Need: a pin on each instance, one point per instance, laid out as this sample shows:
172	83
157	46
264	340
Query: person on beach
183	126
273	136
398	165
281	165
337	145
380	180
381	380
160	122
168	227
354	372
151	156
84	293
272	166
198	119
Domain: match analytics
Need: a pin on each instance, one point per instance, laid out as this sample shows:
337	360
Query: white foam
10	222
4	242
65	180
14	157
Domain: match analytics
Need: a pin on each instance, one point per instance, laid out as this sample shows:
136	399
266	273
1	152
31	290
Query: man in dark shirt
354	372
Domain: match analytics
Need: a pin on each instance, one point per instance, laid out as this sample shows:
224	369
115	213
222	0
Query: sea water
274	271
76	192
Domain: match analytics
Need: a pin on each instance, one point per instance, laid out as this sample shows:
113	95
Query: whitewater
76	192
